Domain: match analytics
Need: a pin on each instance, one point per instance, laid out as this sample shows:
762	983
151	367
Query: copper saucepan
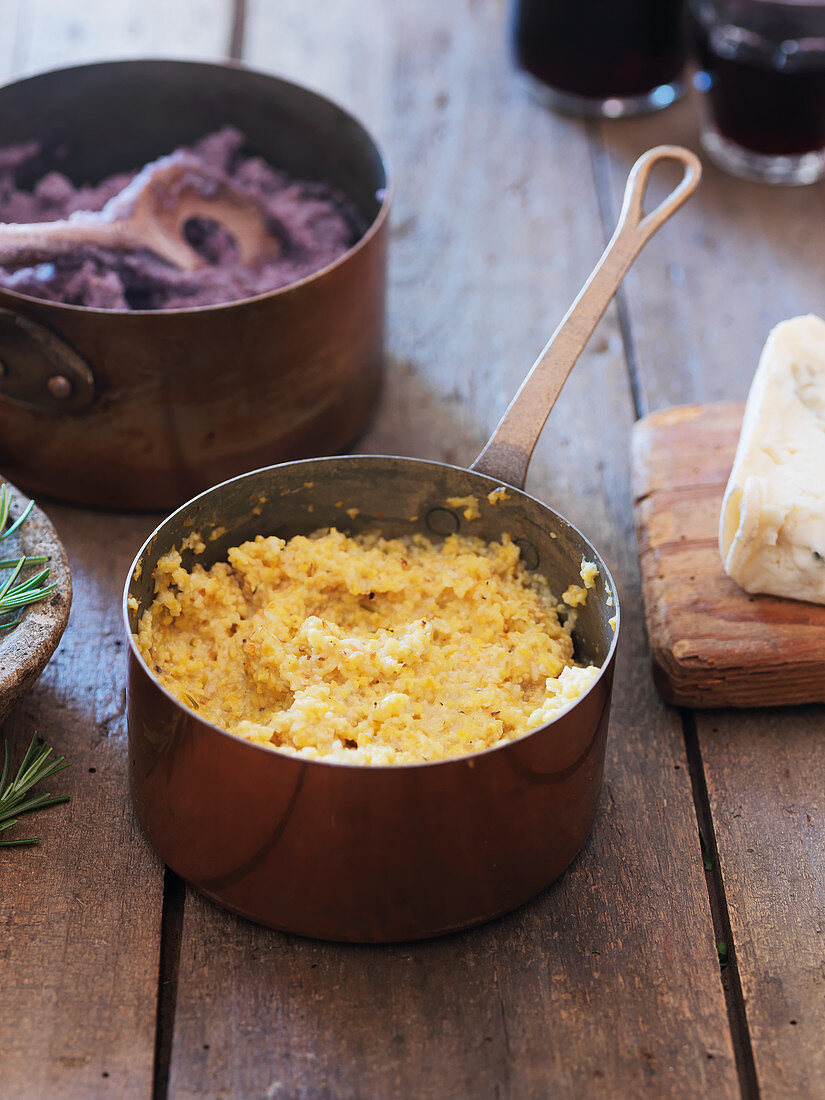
364	853
145	408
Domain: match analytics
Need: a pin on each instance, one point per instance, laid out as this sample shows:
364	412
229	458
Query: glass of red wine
600	58
762	72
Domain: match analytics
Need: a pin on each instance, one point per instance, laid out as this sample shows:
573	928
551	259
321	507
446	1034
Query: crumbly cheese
588	573
575	595
772	527
364	650
469	504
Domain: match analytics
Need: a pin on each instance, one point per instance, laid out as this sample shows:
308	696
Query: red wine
600	48
766	80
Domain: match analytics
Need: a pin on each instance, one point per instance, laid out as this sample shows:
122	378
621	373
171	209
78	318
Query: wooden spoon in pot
151	212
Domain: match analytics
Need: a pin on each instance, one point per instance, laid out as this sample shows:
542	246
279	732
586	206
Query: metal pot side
165	403
368	854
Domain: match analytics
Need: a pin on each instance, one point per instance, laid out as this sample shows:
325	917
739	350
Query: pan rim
298	758
371	231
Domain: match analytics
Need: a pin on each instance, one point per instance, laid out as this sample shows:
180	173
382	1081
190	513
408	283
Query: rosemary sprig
5	505
14	793
15	594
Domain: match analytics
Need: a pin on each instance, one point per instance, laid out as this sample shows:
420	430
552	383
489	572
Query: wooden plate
25	651
712	644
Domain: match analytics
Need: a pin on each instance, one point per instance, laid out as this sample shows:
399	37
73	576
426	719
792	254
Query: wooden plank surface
9	11
712	644
55	33
608	984
739	258
80	916
767	791
743	256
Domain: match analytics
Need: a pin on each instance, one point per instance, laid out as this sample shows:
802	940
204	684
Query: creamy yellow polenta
364	650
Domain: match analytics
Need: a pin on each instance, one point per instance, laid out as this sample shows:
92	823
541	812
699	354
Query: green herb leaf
5	506
15	594
15	797
28	561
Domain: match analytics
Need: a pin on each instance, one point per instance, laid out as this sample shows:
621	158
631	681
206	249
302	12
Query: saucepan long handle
507	454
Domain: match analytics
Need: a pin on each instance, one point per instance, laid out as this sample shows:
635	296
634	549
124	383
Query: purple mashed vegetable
313	223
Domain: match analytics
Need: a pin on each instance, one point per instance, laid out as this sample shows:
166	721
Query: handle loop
507	454
638	179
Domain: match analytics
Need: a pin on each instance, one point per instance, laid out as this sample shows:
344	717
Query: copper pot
142	409
363	853
353	852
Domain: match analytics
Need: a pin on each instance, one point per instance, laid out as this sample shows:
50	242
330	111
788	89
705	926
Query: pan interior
396	496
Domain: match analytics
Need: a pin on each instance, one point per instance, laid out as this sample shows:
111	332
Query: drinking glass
600	57
762	72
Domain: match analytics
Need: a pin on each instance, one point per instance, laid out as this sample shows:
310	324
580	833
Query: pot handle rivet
59	386
39	369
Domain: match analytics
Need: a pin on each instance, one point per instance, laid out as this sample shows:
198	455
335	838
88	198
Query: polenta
362	649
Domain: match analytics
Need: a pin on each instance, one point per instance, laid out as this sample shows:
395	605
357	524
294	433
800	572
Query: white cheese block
772	527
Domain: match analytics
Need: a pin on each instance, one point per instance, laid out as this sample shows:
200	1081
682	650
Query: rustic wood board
712	644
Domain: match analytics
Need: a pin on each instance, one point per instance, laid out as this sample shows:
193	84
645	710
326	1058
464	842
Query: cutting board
712	644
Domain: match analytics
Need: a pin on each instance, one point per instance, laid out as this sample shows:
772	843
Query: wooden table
116	980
